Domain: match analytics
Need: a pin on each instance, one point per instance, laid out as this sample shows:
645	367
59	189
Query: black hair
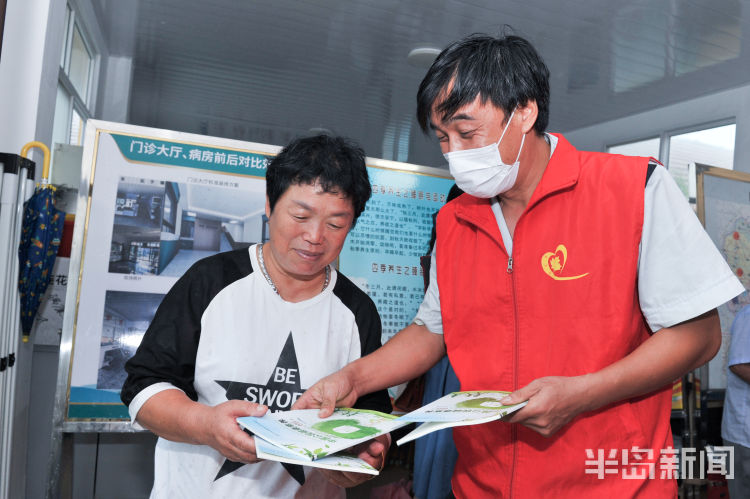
336	163
506	70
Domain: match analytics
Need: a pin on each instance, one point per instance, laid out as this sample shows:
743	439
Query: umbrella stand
13	194
38	225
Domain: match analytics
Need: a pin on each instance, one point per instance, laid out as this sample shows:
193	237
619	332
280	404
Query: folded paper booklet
457	409
301	437
341	461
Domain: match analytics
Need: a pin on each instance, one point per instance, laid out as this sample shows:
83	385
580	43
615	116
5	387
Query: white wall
235	230
115	89
21	66
252	229
729	104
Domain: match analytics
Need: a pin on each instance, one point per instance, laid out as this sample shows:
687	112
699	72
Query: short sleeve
142	397
739	348
681	273
428	313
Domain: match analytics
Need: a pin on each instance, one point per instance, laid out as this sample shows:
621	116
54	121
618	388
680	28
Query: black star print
279	393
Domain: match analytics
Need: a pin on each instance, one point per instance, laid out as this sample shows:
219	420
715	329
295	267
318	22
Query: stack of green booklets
301	437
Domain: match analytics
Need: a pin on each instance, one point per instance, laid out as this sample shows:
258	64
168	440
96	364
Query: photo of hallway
126	318
134	250
135	236
201	220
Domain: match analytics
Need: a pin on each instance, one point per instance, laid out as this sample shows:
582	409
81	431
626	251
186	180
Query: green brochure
301	437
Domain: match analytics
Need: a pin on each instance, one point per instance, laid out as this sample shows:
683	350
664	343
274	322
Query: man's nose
451	144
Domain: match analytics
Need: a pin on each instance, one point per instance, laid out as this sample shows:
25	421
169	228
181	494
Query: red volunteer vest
567	306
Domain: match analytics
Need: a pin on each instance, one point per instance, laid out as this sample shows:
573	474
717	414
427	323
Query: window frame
666	135
665	143
81	104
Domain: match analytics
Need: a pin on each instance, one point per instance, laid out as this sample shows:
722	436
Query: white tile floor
183	260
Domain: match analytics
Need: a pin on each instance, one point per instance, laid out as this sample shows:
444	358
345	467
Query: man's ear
528	114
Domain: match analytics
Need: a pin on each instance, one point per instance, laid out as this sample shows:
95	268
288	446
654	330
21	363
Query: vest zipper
514	431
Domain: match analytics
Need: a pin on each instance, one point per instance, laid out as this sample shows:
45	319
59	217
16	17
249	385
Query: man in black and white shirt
248	331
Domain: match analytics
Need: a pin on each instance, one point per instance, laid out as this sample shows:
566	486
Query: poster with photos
155	201
159	201
724	209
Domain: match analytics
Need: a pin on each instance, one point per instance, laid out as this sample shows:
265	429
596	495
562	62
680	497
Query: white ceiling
268	70
133	307
223	203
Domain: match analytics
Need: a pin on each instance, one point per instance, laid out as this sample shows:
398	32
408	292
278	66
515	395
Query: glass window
76	129
60	130
710	146
647	147
77	79
79	70
64	54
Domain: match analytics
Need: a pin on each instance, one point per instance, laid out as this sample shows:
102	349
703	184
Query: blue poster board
381	254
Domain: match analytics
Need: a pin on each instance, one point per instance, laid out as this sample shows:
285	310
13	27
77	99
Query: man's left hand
553	402
373	452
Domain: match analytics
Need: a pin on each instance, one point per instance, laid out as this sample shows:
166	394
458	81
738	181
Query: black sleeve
168	349
650	169
368	323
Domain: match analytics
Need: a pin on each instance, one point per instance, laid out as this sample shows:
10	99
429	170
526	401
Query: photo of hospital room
137	228
201	220
126	318
139	202
134	250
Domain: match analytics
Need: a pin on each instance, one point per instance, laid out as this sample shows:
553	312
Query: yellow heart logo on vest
553	263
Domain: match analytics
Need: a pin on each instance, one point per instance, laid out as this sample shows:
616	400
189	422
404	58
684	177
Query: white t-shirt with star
222	333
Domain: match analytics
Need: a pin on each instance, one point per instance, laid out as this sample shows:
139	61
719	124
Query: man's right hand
335	390
411	352
222	432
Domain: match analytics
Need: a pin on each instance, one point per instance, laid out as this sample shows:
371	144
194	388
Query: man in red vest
581	281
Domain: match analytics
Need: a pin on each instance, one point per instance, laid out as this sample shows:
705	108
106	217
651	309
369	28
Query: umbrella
40	238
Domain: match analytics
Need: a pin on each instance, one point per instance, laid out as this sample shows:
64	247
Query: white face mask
481	171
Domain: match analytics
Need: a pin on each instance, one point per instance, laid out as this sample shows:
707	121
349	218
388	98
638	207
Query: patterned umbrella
40	238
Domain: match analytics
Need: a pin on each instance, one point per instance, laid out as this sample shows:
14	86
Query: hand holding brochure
301	437
457	409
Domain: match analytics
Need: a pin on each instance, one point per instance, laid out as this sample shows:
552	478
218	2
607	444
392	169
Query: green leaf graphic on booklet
315	454
345	428
482	403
